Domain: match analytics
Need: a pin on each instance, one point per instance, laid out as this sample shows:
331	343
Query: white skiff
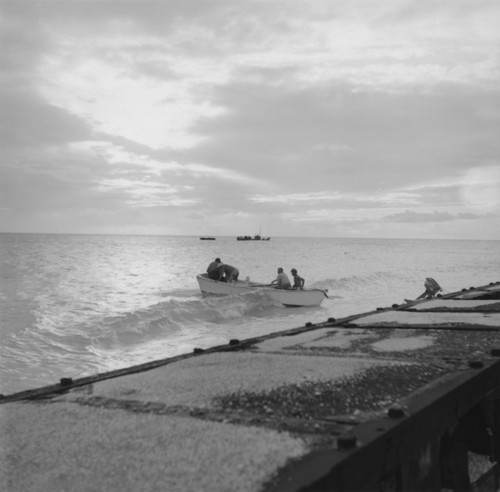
287	297
296	298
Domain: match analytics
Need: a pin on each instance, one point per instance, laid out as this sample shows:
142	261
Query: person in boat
298	282
281	281
431	289
227	273
213	269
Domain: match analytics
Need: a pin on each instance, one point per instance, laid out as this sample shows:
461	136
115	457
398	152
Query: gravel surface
323	399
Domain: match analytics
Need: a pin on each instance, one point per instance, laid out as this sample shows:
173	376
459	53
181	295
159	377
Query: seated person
298	282
281	281
228	273
213	268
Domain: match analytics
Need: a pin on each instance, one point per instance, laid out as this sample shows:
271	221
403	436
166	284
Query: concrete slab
158	430
404	343
344	339
430	319
452	304
415	345
197	381
494	287
489	291
321	338
61	446
426	346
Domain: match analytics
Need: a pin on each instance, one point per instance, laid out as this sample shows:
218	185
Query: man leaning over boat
227	273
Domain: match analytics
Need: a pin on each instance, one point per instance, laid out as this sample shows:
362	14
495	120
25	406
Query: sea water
76	305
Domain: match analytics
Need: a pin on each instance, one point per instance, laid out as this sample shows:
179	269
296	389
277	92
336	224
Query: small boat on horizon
207	238
287	297
257	237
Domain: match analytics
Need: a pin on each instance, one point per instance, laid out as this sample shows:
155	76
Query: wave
186	310
171	317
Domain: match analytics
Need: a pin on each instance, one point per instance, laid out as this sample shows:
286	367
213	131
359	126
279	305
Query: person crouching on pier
431	289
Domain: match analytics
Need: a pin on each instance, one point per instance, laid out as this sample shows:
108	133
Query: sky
345	118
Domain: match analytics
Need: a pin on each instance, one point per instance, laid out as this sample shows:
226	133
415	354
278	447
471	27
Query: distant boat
287	297
206	238
257	237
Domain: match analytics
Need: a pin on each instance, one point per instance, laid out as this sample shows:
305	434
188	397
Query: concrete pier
403	398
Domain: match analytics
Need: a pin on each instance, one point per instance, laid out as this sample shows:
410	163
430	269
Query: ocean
76	305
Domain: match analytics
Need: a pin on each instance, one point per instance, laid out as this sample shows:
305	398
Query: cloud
415	217
147	194
339	113
29	121
480	187
355	199
281	132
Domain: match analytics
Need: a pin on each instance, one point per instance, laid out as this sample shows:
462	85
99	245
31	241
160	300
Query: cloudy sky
345	118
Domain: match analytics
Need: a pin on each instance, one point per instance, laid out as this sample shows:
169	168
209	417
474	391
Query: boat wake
187	313
179	320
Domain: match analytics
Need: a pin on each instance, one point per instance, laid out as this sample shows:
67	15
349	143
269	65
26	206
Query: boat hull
287	297
257	237
209	286
296	298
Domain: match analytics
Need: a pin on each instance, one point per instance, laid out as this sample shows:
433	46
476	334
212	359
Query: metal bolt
476	364
197	350
395	413
234	341
66	382
346	441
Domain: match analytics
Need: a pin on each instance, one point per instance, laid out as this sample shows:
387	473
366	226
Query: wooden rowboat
287	297
296	297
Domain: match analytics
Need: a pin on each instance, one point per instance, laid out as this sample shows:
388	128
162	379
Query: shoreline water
80	304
